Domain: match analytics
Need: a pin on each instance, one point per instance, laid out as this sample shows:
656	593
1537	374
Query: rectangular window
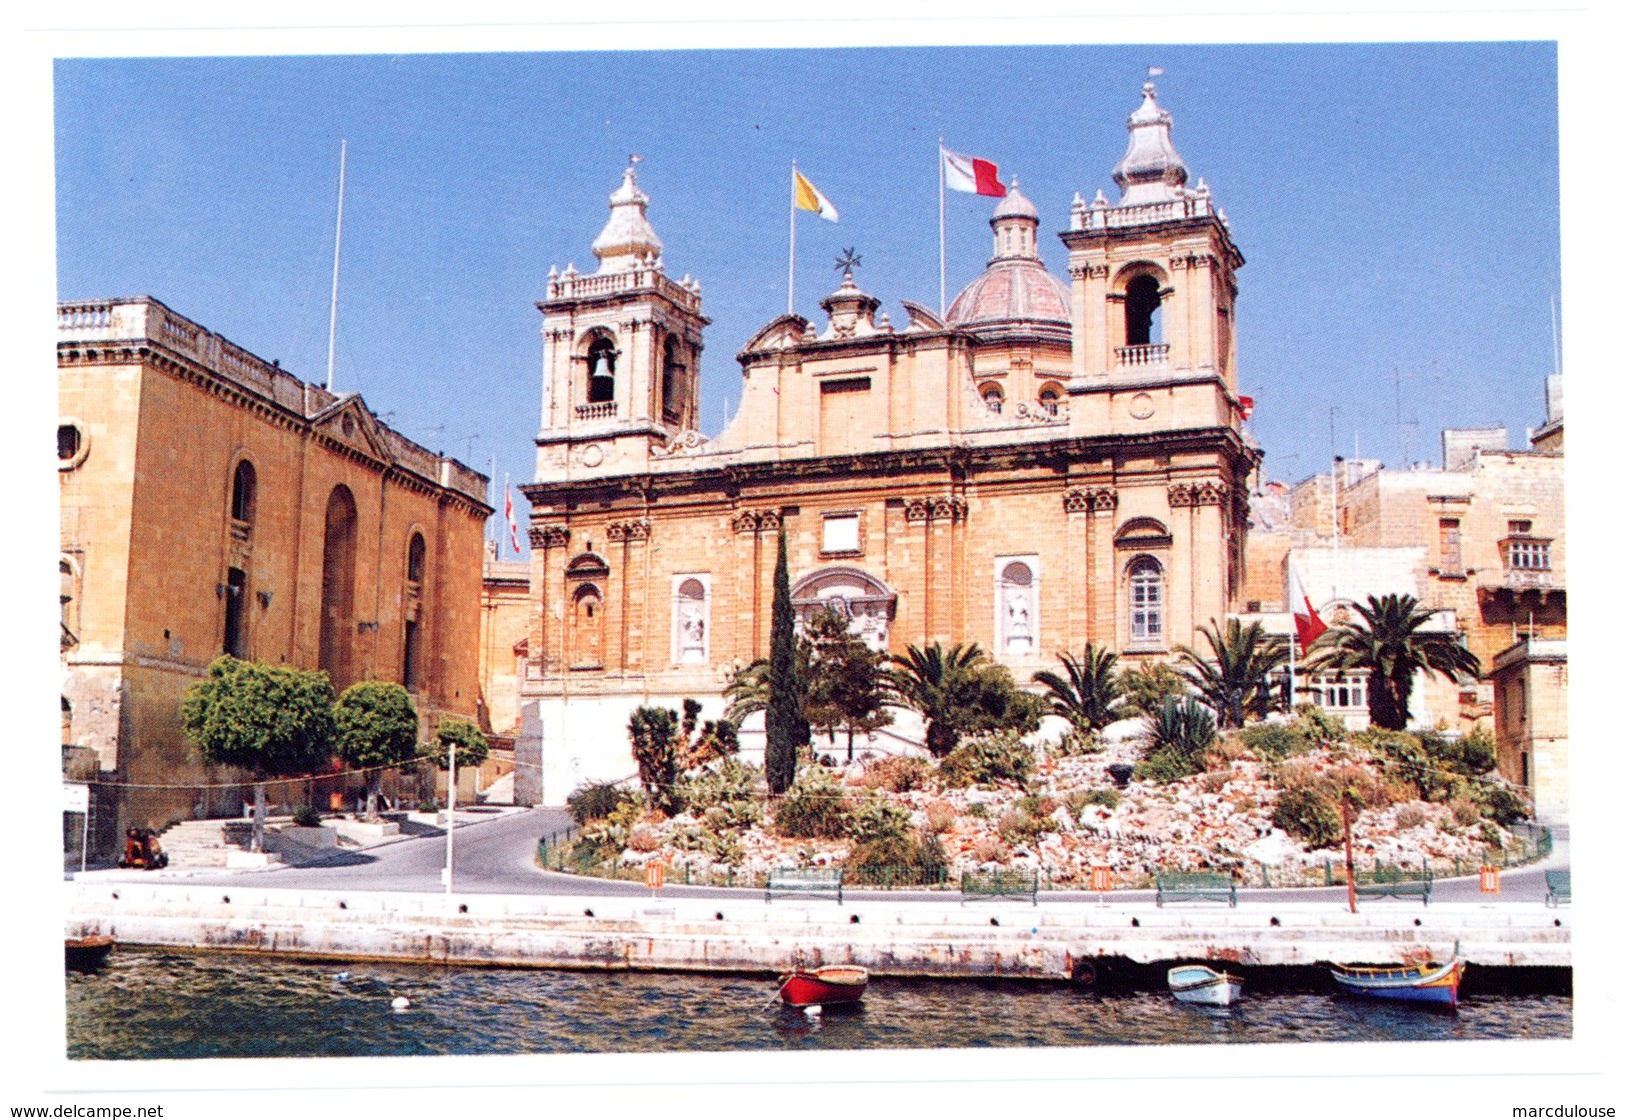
1145	610
1529	555
1516	528
1449	544
840	532
236	642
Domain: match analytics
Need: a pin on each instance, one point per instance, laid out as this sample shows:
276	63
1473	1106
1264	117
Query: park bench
1394	882
1557	888
1195	886
815	882
991	884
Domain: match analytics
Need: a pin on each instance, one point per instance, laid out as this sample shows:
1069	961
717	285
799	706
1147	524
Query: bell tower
1153	276
621	350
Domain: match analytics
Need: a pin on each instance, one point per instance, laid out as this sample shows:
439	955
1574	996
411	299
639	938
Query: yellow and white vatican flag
804	196
809	197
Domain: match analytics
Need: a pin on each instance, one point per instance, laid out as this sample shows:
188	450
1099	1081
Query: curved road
497	856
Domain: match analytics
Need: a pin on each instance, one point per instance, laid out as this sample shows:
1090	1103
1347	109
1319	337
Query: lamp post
451	811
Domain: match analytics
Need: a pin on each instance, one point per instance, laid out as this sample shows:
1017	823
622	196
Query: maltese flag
507	514
971	175
1308	622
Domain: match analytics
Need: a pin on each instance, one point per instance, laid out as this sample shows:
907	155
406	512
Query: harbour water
159	1003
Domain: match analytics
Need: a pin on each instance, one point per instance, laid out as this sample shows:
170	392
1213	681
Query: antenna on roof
338	234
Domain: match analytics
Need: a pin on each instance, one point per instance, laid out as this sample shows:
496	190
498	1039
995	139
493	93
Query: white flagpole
493	501
790	309
338	234
942	230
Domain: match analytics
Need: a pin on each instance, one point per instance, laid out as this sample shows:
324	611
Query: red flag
971	175
1246	407
507	513
1308	622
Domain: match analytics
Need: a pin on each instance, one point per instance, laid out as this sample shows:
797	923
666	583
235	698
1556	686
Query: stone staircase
204	843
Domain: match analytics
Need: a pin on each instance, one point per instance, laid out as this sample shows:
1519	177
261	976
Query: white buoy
813	1009
342	977
400	1003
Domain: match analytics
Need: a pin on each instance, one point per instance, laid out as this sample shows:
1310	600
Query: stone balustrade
1148	356
603	410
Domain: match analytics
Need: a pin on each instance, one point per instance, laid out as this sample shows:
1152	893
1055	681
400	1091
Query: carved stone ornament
1181	494
757	521
1141	406
946	507
916	509
1084	499
549	536
686	440
1198	494
1088	272
634	530
1038	413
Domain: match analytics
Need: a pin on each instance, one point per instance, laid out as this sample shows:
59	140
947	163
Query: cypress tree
787	729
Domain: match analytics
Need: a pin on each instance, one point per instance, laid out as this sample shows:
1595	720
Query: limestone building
213	503
1054	461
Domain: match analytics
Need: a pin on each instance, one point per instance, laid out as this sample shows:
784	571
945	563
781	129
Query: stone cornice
157	357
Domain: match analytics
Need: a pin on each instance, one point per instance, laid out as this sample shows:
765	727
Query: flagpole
338	238
790	309
491	495
942	232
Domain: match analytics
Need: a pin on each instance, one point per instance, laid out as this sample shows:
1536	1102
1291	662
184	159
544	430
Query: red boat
832	983
88	953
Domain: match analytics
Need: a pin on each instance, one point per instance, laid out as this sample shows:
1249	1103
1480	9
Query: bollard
1100	879
1489	879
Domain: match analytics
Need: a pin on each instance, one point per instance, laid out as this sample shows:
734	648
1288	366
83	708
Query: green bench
991	884
1395	883
1557	888
815	882
1195	886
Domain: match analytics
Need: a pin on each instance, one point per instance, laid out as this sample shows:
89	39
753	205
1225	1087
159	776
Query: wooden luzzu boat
1420	982
1197	983
831	983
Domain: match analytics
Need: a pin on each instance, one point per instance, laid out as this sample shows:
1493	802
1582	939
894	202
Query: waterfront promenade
388	902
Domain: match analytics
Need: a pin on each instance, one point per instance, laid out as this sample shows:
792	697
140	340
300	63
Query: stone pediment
922	318
348	421
781	334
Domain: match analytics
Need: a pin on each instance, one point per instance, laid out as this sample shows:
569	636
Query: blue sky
1397	205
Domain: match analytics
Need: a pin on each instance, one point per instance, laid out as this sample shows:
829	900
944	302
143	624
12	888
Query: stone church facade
1052	462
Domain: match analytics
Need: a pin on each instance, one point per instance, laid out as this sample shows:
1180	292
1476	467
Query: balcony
1148	356
602	410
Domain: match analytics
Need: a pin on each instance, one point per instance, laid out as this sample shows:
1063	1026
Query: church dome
1016	288
1012	291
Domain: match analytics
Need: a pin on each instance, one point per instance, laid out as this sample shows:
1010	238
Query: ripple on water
161	1004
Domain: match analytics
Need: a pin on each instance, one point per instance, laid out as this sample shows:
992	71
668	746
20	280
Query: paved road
497	856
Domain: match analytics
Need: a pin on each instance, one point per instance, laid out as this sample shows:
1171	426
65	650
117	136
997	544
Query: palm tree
941	686
1087	694
1391	645
1237	678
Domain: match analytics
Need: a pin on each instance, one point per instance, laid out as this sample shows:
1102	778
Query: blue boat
1423	983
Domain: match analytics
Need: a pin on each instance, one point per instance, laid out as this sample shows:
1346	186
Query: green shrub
813	806
595	801
1320	729
1184	728
977	809
1501	804
1490	835
1275	740
307	816
1082	799
1018	828
875	819
731	796
899	774
1076	742
1309	815
1478	751
896	860
1166	766
988	759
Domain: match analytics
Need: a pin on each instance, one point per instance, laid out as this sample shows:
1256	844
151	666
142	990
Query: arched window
242	493
1017	623
236	590
601	357
1142	299
587	628
993	397
412	643
70	604
1145	601
338	587
1049	399
690	621
671	381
